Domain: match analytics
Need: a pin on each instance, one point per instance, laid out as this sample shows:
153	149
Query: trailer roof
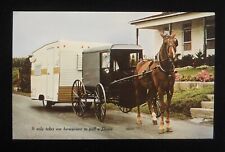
108	48
81	43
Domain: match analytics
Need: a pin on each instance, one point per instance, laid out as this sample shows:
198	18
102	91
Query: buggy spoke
78	92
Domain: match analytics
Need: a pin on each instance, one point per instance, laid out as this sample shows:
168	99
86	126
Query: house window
210	33
79	62
187	36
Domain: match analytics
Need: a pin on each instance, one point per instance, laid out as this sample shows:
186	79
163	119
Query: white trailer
54	68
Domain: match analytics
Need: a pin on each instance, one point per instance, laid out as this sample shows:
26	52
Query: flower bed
202	73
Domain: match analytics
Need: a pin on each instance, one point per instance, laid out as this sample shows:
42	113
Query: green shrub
182	101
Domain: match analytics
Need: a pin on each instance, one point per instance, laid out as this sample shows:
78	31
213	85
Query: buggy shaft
132	76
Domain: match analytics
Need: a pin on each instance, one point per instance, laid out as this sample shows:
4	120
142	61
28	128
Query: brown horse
158	81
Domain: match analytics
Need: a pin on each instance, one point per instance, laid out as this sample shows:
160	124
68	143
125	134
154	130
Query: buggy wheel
47	104
78	98
125	110
100	102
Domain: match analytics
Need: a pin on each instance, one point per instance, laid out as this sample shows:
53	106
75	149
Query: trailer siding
55	67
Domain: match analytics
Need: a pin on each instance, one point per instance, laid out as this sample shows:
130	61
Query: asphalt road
32	121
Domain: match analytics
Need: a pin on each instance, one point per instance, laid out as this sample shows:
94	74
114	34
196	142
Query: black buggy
108	77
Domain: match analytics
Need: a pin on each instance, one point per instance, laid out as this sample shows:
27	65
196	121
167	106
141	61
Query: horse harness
170	71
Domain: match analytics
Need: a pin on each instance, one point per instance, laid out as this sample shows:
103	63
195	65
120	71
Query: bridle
168	59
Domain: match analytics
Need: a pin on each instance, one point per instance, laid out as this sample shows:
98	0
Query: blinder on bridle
166	64
174	47
170	66
176	42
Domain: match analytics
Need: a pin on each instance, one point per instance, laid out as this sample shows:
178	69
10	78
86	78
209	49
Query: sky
31	30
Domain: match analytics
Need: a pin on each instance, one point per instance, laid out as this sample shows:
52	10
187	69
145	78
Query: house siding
177	28
197	37
177	21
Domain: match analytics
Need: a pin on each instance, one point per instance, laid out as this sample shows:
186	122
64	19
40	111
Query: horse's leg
139	122
169	97
152	110
162	109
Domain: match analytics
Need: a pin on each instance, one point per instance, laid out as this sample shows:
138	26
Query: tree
18	62
24	78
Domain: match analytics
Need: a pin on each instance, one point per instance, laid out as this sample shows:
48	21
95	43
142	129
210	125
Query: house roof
152	22
157	16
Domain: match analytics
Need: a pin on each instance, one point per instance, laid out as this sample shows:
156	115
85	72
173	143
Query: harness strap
161	68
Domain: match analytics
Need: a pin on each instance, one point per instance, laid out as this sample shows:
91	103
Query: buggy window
105	60
133	59
79	62
124	60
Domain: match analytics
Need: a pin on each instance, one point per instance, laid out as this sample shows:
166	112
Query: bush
186	60
182	101
198	60
210	60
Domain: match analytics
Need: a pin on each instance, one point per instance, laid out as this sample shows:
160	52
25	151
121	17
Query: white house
195	31
54	68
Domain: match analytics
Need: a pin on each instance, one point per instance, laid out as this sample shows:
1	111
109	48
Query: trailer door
50	76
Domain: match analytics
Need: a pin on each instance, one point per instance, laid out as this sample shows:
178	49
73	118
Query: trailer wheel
100	102
78	98
47	104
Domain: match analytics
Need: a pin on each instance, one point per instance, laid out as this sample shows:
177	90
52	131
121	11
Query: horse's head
171	44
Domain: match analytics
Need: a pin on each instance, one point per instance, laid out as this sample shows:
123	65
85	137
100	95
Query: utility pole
170	28
137	36
204	41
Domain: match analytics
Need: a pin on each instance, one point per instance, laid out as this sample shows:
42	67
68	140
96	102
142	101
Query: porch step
207	104
202	113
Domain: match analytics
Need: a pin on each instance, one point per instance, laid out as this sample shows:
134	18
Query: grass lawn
182	101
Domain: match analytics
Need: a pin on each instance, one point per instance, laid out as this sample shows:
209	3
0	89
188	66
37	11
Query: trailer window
37	70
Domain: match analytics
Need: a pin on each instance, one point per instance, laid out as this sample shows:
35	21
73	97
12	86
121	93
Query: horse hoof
139	122
154	122
169	129
161	131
